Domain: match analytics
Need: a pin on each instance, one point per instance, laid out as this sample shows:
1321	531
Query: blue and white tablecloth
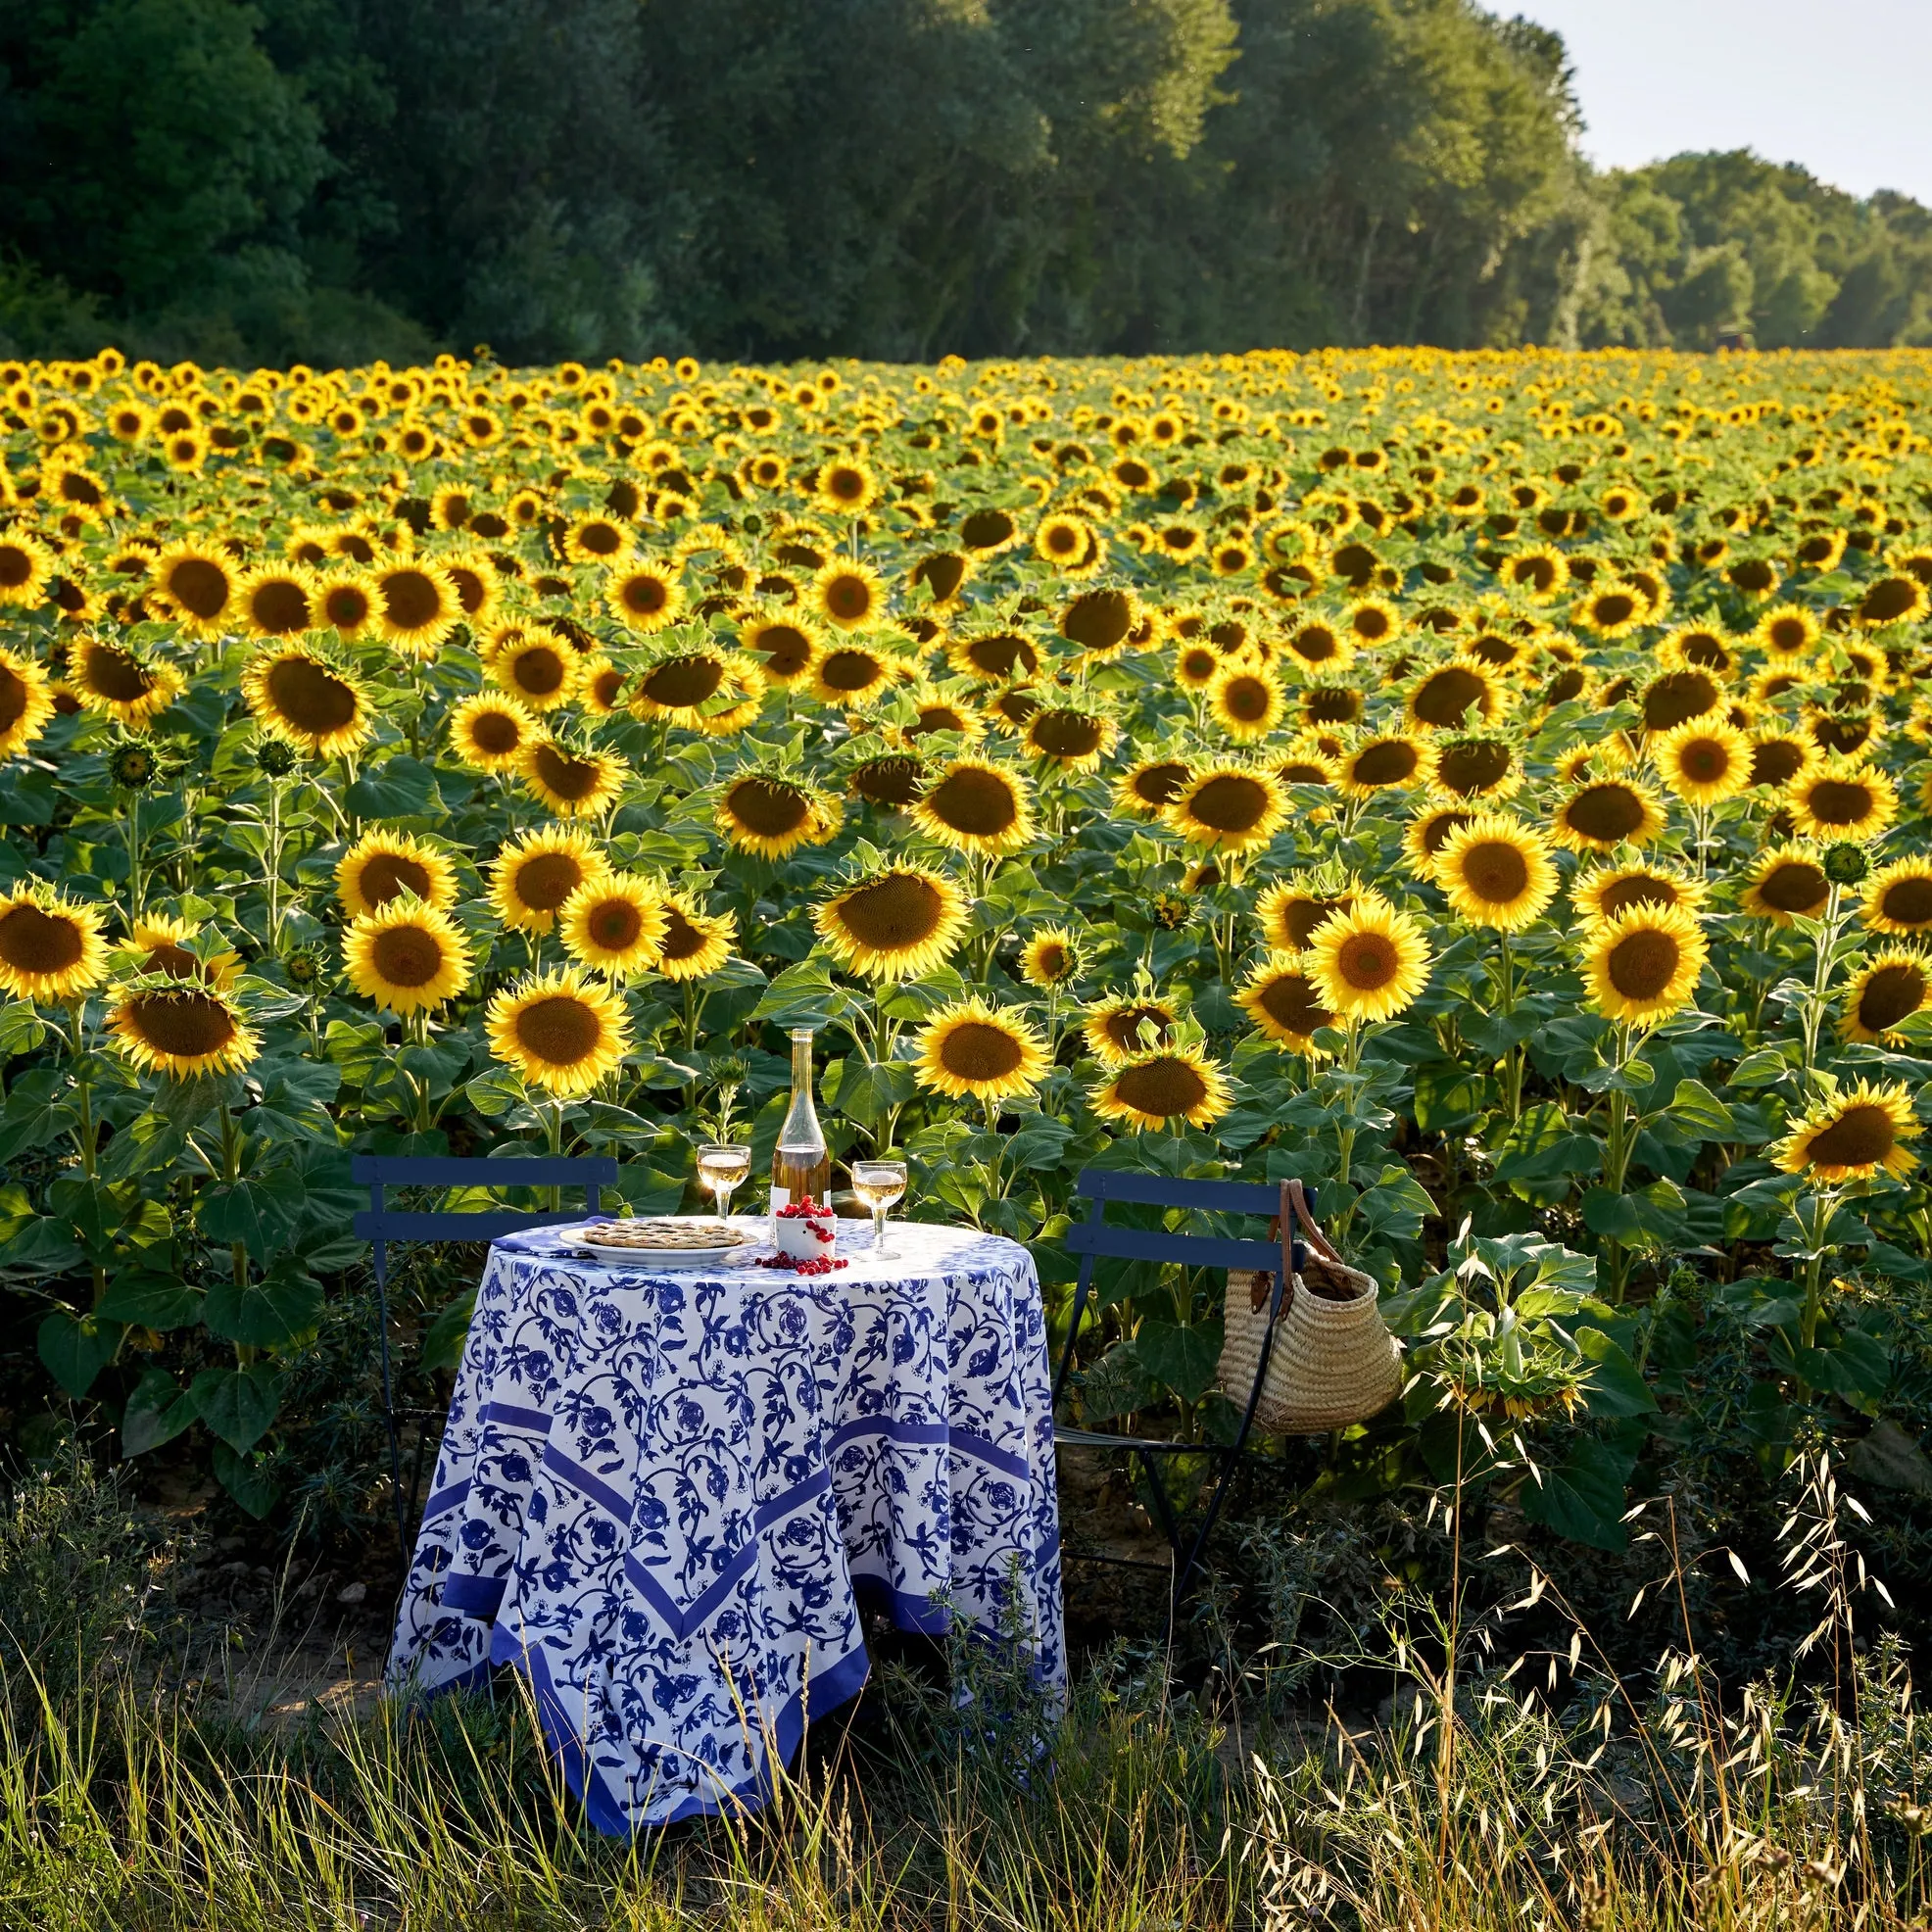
661	1495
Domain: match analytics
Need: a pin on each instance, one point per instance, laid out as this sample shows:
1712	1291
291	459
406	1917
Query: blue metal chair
1094	1240
380	1225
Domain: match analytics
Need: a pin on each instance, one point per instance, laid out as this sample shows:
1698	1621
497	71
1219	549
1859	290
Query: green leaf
1584	1497
269	1312
152	1301
443	1342
1393	1209
42	1245
21	1029
76	1347
1616	1386
246	1480
1116	1386
1763	1067
260	1214
36	1114
1698	1114
157	1412
495	1091
238	1404
1858	1369
1185	1359
400	787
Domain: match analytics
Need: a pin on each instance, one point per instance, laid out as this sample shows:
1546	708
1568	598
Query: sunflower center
280	607
545	882
494	733
1495	871
644	595
1390	763
768	810
1123	1028
1787	634
385	874
1703	760
177	961
887	781
564	777
115	675
1892	994
616	925
1101	620
987	529
600	539
186	1026
1372	624
1777	762
1907	901
849	671
1230	801
893	914
1300	917
1860	1136
1291	1001
1067	734
1161	1088
1608	815
1794	887
201	586
560	1030
13	698
16	566
1444	696
1316	643
1889	599
848	597
309	698
1474	766
684	682
1368	961
34	940
1338	705
977	1049
1840	801
539	670
996	656
1636	888
346	605
787	650
1246	699
1641	964
407	955
1049	961
682	940
975	803
1676	698
1159	785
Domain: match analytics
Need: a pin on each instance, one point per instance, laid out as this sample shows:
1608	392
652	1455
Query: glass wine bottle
801	1162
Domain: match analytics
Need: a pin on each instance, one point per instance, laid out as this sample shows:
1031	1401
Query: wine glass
721	1167
879	1183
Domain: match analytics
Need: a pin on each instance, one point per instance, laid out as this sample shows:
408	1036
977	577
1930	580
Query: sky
1836	86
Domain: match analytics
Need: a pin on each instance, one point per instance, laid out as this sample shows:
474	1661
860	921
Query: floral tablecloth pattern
662	1497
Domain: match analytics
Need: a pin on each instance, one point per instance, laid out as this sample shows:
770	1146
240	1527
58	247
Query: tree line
332	180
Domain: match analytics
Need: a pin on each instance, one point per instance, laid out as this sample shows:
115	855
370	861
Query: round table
663	1496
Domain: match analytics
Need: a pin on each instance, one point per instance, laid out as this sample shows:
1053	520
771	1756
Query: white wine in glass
721	1167
877	1185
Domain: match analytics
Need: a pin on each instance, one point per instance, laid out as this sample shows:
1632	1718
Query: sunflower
1853	1135
1479	765
973	1051
846	486
1150	787
1368	962
1703	760
347	603
27	567
680	689
277	601
1612	609
416	606
850	674
1247	701
1103	623
975	806
407	956
26	700
382	866
1425	836
1784	882
1608	889
50	948
1497	872
1786	632
1541	574
1887	992
1898	898
1778	758
200	585
1453	696
1370	621
1600	816
1842	799
477	585
773	815
537	668
159	944
570	784
616	925
1069	543
559	1031
112	682
1231	808
533	877
1050	959
597	539
1900	600
787	647
1306	761
182	1030
896	923
848	595
645	597
1154	1089
1643	964
1319	646
304	700
1284	1003
1384	762
696	943
490	733
1126	1024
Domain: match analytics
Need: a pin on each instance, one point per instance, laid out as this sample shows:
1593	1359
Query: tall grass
1516	1784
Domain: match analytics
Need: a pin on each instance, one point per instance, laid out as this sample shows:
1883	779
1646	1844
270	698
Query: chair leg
389	1415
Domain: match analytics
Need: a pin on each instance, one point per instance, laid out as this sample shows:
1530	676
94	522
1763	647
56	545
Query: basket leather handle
1294	1196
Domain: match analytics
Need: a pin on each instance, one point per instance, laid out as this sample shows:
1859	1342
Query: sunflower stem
1824	947
134	853
553	1124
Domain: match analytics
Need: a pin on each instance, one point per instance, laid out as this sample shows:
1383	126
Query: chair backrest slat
409	1225
1108	1184
1155	1244
482	1170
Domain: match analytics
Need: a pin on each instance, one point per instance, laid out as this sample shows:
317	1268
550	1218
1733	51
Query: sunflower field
1493	788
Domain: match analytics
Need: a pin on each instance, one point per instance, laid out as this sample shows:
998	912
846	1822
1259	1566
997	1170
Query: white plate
655	1260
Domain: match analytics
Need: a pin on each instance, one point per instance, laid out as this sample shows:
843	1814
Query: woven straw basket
1332	1362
